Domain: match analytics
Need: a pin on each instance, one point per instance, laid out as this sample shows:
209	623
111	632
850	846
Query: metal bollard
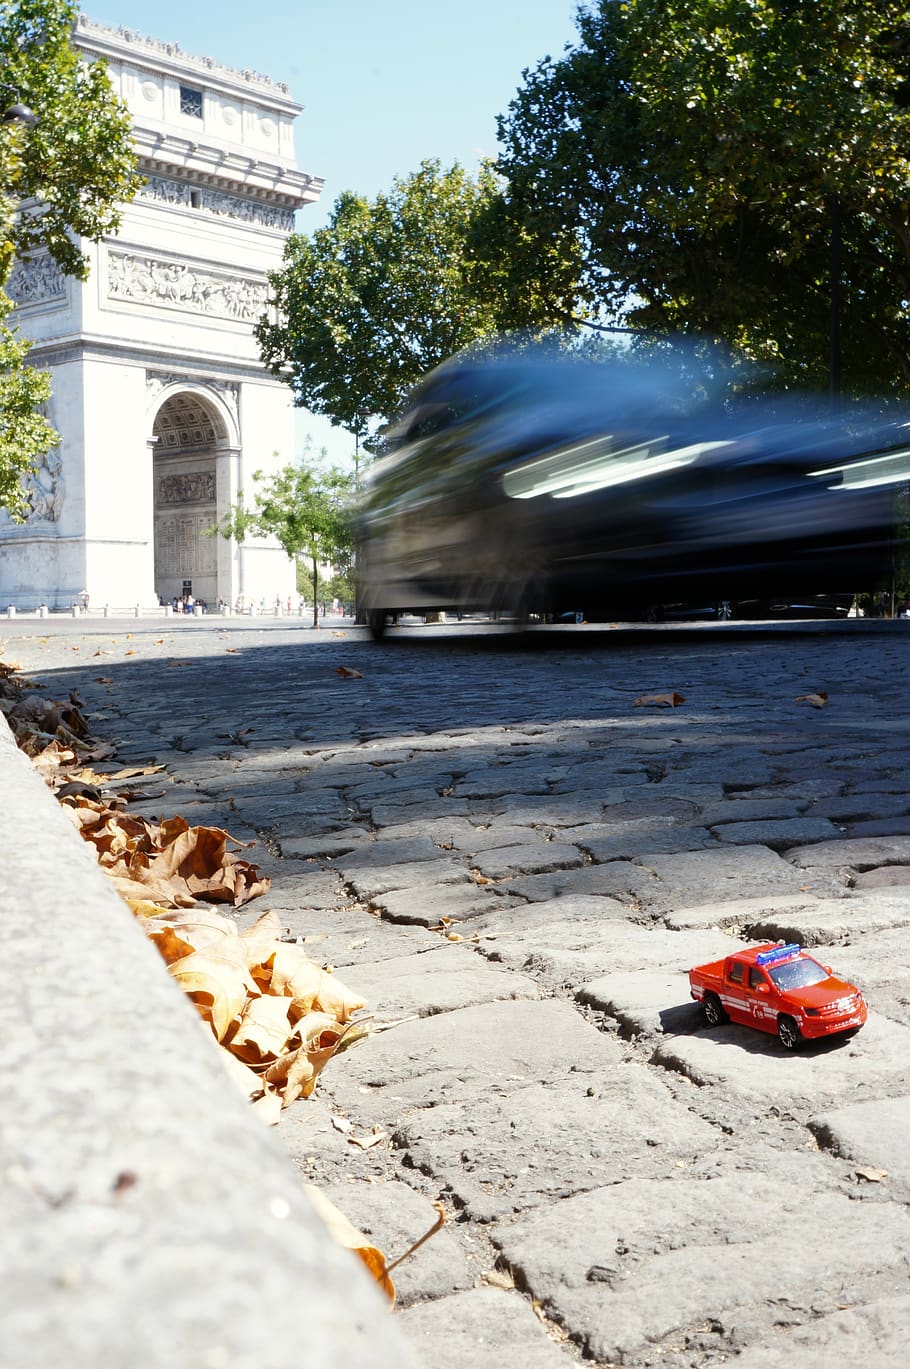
107	610
42	611
137	612
11	611
76	610
169	610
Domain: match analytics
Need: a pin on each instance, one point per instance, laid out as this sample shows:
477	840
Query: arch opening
187	434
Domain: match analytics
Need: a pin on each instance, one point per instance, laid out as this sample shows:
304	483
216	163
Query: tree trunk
315	593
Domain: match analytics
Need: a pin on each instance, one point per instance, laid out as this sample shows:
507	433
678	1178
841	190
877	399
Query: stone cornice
168	154
126	45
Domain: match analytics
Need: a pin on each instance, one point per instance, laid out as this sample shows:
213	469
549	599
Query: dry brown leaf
52	760
347	673
347	1235
818	700
671	700
218	985
104	679
367	1142
871	1175
263	1032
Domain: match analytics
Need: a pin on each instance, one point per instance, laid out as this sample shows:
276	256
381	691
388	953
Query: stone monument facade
164	408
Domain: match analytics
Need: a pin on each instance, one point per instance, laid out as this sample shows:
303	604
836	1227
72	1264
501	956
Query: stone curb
150	1219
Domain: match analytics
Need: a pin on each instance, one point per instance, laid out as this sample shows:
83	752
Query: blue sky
384	83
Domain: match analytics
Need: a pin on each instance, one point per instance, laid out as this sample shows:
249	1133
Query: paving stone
873	1133
486	1326
428	904
300	884
473	838
390	814
875	1335
778	835
622	1267
494	1048
571	954
698	877
439	980
383	853
885	877
829	921
549	810
553	1139
859	854
879	827
368	883
637	843
394	1217
754	1064
643	1001
342	937
332	844
735	913
618	877
530	858
736	809
852	807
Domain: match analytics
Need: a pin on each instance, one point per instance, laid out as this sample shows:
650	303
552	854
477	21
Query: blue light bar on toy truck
777	954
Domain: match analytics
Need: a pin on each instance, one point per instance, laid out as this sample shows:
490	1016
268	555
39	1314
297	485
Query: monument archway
190	434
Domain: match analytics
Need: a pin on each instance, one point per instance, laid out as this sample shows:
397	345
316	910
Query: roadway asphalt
516	860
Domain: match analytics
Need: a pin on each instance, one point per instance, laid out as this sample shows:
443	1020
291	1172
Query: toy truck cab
778	989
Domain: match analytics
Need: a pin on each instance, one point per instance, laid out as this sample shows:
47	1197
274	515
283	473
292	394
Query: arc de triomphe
162	403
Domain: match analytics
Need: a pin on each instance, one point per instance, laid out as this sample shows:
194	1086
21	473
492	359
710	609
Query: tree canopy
393	286
64	175
710	153
308	511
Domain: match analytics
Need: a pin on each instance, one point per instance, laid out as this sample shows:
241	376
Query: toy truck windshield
797	974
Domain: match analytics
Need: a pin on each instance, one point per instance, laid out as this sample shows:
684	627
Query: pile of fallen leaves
278	1014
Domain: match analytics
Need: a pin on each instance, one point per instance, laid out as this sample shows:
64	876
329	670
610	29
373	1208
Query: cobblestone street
516	863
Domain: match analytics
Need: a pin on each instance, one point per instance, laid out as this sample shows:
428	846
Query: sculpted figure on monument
45	489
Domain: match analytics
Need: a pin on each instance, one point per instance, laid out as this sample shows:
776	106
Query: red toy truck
778	989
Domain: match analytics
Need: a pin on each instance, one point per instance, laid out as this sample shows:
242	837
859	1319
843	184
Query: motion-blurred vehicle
538	487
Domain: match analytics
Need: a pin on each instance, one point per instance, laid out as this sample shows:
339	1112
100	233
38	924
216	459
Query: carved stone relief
44	489
187	487
175	285
35	281
219	202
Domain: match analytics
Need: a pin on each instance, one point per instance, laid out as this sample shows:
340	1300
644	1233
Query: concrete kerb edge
151	1219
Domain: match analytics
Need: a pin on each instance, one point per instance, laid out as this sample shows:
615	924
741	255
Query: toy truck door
734	997
758	987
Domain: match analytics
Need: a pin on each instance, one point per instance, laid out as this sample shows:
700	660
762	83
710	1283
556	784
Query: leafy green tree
307	511
70	167
709	154
394	286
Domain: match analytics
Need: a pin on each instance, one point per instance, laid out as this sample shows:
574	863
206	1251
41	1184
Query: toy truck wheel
789	1033
713	1010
